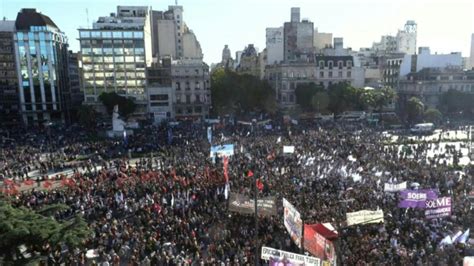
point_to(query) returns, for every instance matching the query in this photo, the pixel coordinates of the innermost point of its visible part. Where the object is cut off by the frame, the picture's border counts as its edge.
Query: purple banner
(437, 208)
(416, 198)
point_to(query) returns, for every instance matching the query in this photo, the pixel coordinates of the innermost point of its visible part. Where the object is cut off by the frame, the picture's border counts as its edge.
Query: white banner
(276, 254)
(395, 187)
(468, 261)
(364, 217)
(288, 149)
(292, 220)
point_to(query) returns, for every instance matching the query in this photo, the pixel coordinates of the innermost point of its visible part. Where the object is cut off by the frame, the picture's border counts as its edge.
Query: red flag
(28, 182)
(249, 173)
(259, 184)
(8, 182)
(47, 184)
(226, 165)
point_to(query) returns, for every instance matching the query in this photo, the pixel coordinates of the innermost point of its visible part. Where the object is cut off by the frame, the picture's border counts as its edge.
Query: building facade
(191, 84)
(298, 38)
(471, 65)
(323, 70)
(113, 57)
(249, 62)
(425, 59)
(41, 61)
(9, 100)
(76, 96)
(274, 45)
(161, 94)
(430, 83)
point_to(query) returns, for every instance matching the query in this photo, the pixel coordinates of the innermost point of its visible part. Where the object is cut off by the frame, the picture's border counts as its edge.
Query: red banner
(316, 244)
(226, 165)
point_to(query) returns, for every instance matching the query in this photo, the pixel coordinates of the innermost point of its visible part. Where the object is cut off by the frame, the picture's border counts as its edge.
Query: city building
(161, 94)
(274, 45)
(9, 98)
(249, 62)
(298, 37)
(322, 41)
(113, 57)
(42, 68)
(425, 59)
(406, 38)
(191, 83)
(429, 84)
(322, 70)
(471, 65)
(226, 62)
(74, 95)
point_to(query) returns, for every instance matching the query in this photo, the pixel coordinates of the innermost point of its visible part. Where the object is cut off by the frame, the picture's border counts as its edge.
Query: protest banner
(243, 204)
(437, 208)
(222, 150)
(316, 244)
(395, 187)
(416, 198)
(468, 261)
(364, 217)
(292, 221)
(288, 149)
(280, 255)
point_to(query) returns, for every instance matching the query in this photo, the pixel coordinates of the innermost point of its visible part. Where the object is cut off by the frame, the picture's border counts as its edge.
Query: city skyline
(443, 26)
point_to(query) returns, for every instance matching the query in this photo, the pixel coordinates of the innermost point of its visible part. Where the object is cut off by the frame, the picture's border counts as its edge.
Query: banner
(317, 244)
(288, 257)
(468, 261)
(440, 207)
(222, 150)
(288, 149)
(364, 217)
(243, 204)
(292, 220)
(226, 166)
(395, 187)
(416, 198)
(209, 134)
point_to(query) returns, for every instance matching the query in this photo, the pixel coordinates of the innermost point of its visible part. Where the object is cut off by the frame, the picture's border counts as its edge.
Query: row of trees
(341, 97)
(237, 94)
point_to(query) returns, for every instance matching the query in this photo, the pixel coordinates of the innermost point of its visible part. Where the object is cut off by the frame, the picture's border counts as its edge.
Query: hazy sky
(444, 25)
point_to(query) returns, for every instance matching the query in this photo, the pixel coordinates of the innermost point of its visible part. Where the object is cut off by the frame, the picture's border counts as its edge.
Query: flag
(259, 184)
(28, 182)
(209, 134)
(226, 165)
(279, 140)
(464, 237)
(455, 237)
(226, 191)
(47, 184)
(446, 241)
(249, 173)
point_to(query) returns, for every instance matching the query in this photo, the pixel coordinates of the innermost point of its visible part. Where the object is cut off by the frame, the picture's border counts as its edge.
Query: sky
(443, 25)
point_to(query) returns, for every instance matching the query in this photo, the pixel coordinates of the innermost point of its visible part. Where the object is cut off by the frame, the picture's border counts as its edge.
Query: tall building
(42, 69)
(406, 38)
(113, 56)
(298, 38)
(249, 62)
(161, 94)
(472, 52)
(322, 41)
(9, 100)
(274, 45)
(75, 95)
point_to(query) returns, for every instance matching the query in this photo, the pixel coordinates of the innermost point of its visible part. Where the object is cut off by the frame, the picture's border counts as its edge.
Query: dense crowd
(170, 207)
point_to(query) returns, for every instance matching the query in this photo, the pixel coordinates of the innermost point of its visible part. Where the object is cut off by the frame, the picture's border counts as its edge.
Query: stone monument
(118, 126)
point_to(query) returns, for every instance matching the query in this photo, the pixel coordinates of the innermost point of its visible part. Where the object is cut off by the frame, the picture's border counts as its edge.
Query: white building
(424, 59)
(274, 44)
(406, 38)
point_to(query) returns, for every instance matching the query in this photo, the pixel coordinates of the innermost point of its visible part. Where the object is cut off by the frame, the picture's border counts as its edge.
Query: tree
(432, 115)
(110, 99)
(414, 110)
(87, 116)
(376, 99)
(305, 93)
(35, 231)
(457, 102)
(344, 97)
(234, 93)
(320, 101)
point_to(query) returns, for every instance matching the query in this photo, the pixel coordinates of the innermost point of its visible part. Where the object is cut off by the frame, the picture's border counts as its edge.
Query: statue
(117, 123)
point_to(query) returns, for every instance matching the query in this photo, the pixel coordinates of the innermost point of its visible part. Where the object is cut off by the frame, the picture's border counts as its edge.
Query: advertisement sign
(437, 208)
(364, 217)
(292, 220)
(276, 255)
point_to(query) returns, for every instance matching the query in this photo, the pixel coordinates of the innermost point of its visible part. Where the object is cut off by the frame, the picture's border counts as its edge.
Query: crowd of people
(170, 207)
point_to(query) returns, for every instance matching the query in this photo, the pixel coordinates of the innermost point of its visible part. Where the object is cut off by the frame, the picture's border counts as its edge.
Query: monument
(118, 126)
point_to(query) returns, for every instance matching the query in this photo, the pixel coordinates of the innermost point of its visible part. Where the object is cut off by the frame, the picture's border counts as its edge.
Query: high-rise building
(472, 51)
(42, 69)
(113, 56)
(322, 40)
(75, 95)
(274, 44)
(406, 38)
(9, 100)
(298, 38)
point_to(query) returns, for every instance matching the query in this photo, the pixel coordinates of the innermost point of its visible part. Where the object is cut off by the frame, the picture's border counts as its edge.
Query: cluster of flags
(459, 237)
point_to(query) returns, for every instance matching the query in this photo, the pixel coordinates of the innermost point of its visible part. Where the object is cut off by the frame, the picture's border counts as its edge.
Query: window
(107, 34)
(187, 86)
(321, 74)
(321, 64)
(330, 74)
(330, 64)
(95, 34)
(159, 97)
(188, 99)
(197, 85)
(189, 110)
(339, 64)
(138, 35)
(128, 34)
(348, 74)
(159, 104)
(117, 35)
(349, 64)
(82, 34)
(339, 74)
(178, 86)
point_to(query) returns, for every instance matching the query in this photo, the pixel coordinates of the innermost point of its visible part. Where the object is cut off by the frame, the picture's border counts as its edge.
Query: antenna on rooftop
(87, 15)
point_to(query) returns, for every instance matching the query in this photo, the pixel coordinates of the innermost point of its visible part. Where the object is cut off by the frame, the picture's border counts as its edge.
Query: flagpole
(256, 220)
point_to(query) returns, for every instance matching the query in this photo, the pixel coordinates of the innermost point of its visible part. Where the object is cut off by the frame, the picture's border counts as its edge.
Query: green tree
(414, 110)
(320, 102)
(87, 116)
(432, 115)
(305, 93)
(22, 227)
(110, 99)
(344, 97)
(456, 102)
